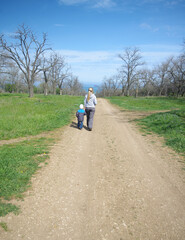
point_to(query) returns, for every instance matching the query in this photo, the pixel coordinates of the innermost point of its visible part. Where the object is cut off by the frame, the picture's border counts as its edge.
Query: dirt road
(108, 184)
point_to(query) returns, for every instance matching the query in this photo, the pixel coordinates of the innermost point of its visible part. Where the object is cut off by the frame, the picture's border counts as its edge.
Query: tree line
(27, 59)
(133, 78)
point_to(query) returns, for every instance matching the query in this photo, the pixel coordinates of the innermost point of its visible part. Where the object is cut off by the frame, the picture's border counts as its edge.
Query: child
(80, 115)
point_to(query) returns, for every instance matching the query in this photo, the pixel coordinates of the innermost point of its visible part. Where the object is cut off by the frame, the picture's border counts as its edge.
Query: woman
(90, 102)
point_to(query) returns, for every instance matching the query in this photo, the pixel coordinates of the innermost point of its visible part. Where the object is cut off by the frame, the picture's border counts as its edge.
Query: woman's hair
(90, 91)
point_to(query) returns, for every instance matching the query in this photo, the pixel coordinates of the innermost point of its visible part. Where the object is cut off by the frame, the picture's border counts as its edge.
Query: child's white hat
(81, 106)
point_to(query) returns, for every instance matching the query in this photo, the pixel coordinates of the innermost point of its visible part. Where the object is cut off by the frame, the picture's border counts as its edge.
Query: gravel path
(108, 184)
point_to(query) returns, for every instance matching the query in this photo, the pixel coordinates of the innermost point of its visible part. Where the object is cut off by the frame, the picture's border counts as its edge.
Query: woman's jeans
(90, 116)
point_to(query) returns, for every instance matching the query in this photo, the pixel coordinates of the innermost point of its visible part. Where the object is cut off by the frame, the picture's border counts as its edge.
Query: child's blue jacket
(80, 115)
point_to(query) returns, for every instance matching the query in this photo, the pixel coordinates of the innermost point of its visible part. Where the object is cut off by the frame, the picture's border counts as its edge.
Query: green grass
(170, 125)
(6, 208)
(18, 162)
(4, 226)
(22, 116)
(148, 103)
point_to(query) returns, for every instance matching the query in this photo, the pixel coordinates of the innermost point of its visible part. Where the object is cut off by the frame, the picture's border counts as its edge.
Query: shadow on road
(74, 125)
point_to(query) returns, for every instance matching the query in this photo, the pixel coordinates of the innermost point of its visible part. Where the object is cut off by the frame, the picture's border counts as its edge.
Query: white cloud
(104, 4)
(10, 34)
(91, 73)
(72, 2)
(93, 66)
(171, 3)
(155, 54)
(92, 3)
(108, 4)
(160, 48)
(88, 56)
(147, 26)
(159, 1)
(154, 58)
(162, 3)
(59, 25)
(151, 1)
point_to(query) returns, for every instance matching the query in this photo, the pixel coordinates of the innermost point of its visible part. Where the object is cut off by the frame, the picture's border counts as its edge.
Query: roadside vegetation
(21, 116)
(18, 162)
(169, 124)
(149, 103)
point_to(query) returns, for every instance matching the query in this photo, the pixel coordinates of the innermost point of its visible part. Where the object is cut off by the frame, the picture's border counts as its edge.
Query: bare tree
(177, 74)
(72, 86)
(147, 81)
(13, 74)
(107, 87)
(25, 51)
(64, 74)
(46, 67)
(2, 63)
(183, 49)
(123, 82)
(2, 72)
(110, 86)
(55, 74)
(131, 61)
(55, 71)
(162, 75)
(9, 74)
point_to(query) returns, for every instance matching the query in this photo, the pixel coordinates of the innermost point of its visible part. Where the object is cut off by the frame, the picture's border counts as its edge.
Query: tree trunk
(54, 88)
(128, 92)
(137, 88)
(136, 94)
(45, 89)
(123, 91)
(166, 91)
(45, 84)
(160, 91)
(61, 92)
(128, 85)
(30, 89)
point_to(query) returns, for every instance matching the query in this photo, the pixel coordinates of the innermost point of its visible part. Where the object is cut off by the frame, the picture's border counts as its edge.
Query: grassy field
(170, 124)
(22, 116)
(149, 103)
(18, 162)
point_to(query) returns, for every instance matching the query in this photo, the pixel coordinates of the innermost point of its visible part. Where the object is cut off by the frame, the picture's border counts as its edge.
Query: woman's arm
(95, 100)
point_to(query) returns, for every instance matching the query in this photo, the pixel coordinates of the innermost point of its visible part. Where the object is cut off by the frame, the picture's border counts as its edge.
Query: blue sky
(91, 33)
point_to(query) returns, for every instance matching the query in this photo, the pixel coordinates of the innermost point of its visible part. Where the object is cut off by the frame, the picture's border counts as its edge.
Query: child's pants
(80, 125)
(90, 116)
